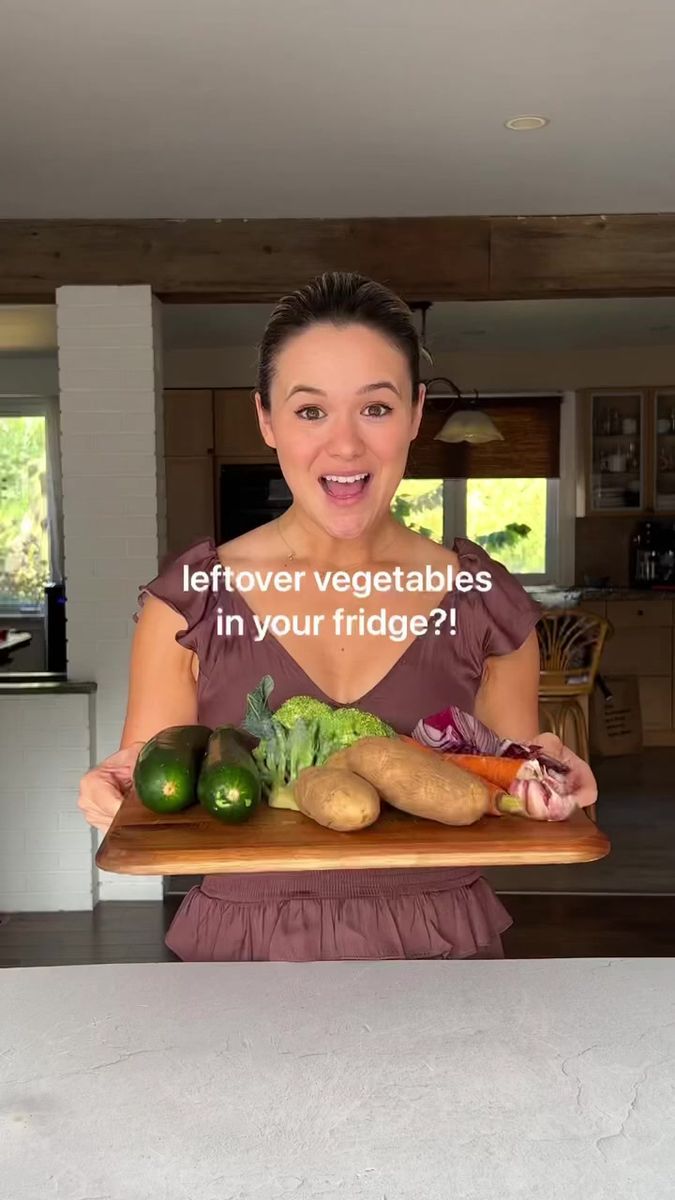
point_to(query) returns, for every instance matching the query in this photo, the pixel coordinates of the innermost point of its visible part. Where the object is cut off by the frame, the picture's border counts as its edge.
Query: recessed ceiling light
(520, 123)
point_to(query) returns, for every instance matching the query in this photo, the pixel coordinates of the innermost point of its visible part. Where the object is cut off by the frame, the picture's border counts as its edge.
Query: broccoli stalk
(286, 747)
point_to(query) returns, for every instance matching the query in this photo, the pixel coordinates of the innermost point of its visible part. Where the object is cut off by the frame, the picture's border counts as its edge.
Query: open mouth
(345, 487)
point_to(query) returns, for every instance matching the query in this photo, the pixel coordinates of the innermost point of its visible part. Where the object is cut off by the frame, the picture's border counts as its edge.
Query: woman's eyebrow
(368, 387)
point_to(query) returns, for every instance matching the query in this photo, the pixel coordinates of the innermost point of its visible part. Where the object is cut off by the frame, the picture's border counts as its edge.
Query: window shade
(531, 448)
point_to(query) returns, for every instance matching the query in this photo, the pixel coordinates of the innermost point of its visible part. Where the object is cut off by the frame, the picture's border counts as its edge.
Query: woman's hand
(581, 780)
(103, 789)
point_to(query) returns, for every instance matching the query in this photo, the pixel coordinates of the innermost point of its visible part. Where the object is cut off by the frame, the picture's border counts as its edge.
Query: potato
(336, 798)
(415, 782)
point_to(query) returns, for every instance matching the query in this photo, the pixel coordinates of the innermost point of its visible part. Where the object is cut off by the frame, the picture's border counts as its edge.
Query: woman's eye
(311, 412)
(383, 410)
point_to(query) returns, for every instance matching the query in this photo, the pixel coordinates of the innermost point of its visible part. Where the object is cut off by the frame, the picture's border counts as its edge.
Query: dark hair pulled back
(340, 298)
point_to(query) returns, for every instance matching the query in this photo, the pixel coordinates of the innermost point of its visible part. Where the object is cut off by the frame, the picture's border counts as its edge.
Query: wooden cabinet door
(656, 701)
(189, 501)
(237, 434)
(638, 651)
(188, 422)
(597, 607)
(650, 613)
(618, 475)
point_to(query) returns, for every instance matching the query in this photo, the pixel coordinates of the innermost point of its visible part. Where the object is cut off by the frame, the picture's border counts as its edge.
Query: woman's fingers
(581, 779)
(103, 788)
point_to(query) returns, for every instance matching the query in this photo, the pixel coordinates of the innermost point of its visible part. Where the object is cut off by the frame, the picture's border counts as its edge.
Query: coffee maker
(652, 556)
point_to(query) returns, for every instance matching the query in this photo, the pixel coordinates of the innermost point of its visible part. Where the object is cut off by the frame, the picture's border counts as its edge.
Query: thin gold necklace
(292, 553)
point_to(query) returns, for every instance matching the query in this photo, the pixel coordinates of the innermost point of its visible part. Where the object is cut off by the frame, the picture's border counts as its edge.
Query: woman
(339, 398)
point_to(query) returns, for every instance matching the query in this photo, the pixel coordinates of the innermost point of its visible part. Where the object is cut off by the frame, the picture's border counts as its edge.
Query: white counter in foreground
(363, 1081)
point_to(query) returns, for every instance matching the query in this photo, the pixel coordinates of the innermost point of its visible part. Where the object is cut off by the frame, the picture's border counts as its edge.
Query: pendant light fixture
(468, 422)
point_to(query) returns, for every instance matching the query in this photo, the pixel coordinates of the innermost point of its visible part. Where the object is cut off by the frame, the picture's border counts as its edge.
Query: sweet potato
(410, 779)
(337, 798)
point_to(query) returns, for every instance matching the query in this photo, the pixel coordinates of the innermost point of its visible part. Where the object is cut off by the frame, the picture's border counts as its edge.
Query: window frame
(47, 407)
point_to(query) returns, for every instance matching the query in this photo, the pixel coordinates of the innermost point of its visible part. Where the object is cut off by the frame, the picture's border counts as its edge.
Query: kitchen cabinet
(188, 466)
(663, 436)
(190, 495)
(204, 429)
(188, 423)
(628, 440)
(642, 645)
(237, 434)
(218, 421)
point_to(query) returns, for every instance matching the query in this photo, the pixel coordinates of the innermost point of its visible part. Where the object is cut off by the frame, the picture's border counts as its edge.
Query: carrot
(501, 772)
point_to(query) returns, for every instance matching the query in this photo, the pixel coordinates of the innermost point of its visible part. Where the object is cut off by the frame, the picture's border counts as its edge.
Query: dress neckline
(286, 654)
(462, 547)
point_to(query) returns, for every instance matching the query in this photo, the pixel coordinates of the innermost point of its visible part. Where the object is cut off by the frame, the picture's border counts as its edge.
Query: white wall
(46, 848)
(113, 507)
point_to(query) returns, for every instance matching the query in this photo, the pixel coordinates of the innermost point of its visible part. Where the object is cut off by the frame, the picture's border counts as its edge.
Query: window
(29, 540)
(516, 520)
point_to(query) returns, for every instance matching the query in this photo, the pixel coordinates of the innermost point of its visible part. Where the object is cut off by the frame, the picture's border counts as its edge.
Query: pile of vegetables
(337, 766)
(228, 769)
(539, 782)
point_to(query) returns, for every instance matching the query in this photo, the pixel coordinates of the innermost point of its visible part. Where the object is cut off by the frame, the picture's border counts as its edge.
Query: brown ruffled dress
(343, 915)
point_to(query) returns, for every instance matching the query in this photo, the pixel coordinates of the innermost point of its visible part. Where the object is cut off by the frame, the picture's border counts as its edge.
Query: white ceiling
(485, 327)
(256, 108)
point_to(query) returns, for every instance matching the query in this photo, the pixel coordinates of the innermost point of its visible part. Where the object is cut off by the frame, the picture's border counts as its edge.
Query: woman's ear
(264, 422)
(418, 410)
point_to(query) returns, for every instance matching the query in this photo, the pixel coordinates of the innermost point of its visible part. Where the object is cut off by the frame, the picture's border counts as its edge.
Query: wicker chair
(571, 642)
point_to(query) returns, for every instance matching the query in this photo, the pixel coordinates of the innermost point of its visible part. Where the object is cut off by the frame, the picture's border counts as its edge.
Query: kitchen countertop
(554, 596)
(41, 683)
(358, 1081)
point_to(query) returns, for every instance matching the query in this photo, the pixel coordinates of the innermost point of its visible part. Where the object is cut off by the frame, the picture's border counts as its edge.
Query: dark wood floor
(550, 926)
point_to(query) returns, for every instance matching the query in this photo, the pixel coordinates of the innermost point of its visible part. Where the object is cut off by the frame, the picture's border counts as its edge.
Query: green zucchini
(229, 784)
(167, 768)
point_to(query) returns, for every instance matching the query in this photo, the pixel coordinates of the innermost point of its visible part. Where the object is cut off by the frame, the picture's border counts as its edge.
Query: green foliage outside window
(24, 534)
(418, 503)
(508, 518)
(505, 516)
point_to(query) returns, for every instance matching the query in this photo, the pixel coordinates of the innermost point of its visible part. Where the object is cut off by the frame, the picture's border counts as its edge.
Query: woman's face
(341, 420)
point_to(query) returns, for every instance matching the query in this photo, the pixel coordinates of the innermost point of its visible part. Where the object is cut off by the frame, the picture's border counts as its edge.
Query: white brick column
(110, 380)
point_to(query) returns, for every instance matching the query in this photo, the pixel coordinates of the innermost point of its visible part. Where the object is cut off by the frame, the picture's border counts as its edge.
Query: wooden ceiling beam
(425, 258)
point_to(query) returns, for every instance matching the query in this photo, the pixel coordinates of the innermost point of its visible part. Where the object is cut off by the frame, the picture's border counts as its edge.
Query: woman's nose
(345, 439)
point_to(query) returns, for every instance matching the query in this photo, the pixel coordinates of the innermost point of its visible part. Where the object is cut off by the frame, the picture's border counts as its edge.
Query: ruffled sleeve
(501, 618)
(173, 585)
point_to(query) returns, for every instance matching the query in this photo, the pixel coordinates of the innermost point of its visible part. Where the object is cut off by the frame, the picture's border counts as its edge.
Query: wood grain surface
(421, 258)
(140, 842)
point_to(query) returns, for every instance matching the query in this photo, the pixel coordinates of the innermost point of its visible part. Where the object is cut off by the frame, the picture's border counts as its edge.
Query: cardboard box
(616, 720)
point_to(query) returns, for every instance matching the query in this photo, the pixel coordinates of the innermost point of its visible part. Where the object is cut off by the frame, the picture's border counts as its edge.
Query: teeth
(346, 478)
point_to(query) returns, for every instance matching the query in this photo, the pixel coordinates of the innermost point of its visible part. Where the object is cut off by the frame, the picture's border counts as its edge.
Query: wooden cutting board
(140, 842)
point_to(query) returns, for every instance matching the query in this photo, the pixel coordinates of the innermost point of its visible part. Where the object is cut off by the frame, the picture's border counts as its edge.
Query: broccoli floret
(301, 708)
(350, 724)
